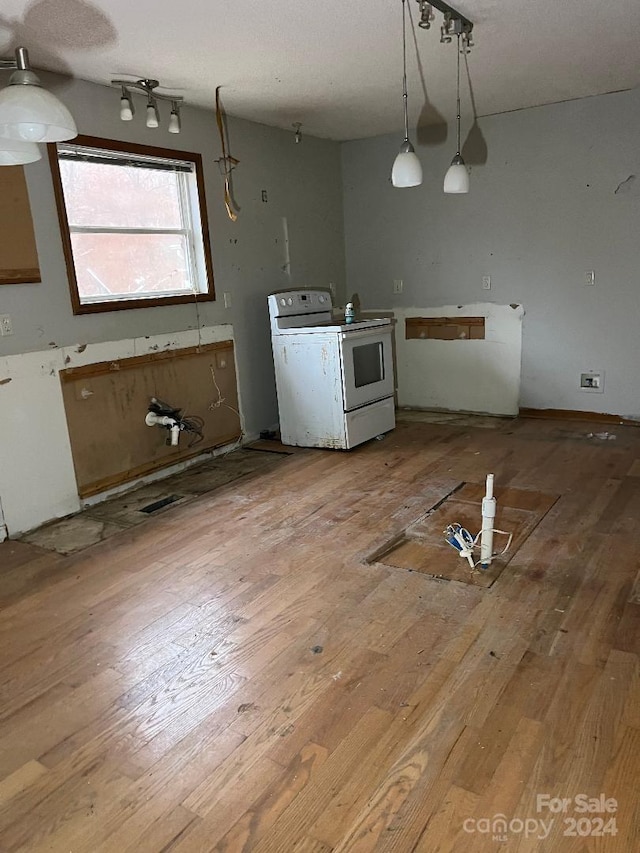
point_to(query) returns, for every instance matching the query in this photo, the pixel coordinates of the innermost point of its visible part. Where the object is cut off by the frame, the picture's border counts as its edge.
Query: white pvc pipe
(488, 523)
(151, 419)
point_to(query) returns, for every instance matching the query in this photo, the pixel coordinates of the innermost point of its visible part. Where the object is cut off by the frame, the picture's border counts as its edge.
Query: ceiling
(335, 66)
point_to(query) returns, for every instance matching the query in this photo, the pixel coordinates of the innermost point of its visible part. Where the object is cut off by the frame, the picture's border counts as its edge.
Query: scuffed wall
(289, 233)
(462, 375)
(37, 478)
(553, 196)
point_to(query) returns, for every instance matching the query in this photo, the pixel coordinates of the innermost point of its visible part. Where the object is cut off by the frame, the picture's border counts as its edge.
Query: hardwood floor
(232, 675)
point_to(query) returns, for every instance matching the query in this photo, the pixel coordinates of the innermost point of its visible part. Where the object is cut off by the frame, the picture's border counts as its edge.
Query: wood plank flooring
(232, 676)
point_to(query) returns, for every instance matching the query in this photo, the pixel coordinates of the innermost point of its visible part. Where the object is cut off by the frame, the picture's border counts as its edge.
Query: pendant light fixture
(28, 112)
(148, 87)
(456, 179)
(15, 152)
(407, 169)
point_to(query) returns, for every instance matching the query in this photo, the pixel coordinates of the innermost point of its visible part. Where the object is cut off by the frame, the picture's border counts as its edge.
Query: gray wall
(303, 184)
(542, 210)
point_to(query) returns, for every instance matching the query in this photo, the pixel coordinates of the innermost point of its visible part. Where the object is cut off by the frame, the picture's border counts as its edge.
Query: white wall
(469, 375)
(542, 210)
(303, 185)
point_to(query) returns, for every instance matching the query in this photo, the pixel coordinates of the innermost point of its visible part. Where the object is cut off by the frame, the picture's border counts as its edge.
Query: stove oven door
(367, 366)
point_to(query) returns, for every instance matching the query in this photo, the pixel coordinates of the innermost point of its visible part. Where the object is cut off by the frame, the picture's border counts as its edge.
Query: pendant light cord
(404, 69)
(458, 96)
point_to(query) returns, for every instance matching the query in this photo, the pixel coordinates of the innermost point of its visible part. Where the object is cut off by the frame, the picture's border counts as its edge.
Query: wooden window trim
(126, 304)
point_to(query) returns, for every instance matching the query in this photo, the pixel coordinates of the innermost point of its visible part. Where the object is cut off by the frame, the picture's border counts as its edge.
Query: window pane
(120, 196)
(130, 265)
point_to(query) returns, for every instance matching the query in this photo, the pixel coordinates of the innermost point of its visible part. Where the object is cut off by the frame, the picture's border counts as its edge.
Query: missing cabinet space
(445, 328)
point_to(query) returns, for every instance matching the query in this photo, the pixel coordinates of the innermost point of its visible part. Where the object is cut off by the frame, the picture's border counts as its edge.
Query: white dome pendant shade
(457, 178)
(407, 169)
(15, 152)
(30, 113)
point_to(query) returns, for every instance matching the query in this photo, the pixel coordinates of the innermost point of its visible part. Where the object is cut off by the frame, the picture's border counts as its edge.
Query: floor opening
(422, 546)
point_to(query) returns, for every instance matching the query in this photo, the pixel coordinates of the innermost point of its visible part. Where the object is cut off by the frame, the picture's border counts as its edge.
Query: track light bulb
(174, 121)
(126, 109)
(152, 115)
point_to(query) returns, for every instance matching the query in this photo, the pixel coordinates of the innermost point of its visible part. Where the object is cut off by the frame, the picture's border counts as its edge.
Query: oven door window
(368, 364)
(367, 367)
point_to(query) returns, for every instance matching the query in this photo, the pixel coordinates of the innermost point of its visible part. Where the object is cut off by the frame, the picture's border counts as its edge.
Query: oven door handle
(374, 332)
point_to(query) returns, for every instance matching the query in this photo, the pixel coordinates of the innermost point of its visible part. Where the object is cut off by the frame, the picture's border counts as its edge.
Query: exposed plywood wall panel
(106, 404)
(18, 254)
(445, 328)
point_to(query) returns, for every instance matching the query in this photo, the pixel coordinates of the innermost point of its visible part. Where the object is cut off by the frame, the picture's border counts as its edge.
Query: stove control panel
(296, 302)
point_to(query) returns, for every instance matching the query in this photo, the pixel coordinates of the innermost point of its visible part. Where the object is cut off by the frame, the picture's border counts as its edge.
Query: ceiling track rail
(455, 23)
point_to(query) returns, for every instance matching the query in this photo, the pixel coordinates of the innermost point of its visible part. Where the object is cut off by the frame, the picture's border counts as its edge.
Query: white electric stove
(334, 379)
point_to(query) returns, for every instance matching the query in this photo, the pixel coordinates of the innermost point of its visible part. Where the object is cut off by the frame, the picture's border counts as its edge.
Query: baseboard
(575, 415)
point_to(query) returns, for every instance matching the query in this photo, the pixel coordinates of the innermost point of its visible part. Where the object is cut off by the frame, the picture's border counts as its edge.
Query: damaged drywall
(625, 186)
(462, 375)
(3, 527)
(38, 481)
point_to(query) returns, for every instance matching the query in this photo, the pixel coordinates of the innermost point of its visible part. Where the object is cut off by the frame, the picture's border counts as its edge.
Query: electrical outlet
(486, 282)
(592, 381)
(6, 326)
(227, 299)
(332, 288)
(590, 277)
(398, 285)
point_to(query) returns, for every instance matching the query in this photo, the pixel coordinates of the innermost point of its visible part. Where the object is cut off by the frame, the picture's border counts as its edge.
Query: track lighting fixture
(29, 114)
(148, 88)
(457, 178)
(407, 169)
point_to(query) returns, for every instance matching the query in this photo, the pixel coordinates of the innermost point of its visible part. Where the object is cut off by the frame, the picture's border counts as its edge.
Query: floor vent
(156, 505)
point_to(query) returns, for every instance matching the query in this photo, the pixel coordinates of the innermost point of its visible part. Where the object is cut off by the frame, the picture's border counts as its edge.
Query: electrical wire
(221, 402)
(471, 542)
(193, 424)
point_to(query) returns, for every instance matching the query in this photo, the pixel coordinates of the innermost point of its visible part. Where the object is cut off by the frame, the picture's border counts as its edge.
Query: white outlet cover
(592, 381)
(486, 282)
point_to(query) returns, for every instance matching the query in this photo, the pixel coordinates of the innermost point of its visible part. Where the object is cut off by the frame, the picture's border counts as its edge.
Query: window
(134, 224)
